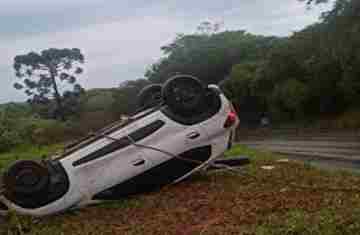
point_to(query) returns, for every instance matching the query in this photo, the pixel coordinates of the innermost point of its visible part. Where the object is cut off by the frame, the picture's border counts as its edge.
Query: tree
(290, 98)
(209, 55)
(49, 75)
(312, 73)
(241, 88)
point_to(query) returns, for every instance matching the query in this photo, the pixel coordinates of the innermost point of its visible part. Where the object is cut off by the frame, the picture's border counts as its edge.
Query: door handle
(138, 162)
(193, 135)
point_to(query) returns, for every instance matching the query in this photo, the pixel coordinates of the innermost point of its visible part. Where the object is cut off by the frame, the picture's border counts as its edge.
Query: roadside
(327, 154)
(267, 197)
(326, 148)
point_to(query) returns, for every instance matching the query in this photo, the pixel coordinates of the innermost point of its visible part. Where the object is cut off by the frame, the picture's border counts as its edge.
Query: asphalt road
(330, 153)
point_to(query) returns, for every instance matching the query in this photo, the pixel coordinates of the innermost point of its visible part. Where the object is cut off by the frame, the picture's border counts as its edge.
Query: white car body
(127, 170)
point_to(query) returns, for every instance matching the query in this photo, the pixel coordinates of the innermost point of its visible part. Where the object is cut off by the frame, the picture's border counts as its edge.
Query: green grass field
(291, 199)
(27, 152)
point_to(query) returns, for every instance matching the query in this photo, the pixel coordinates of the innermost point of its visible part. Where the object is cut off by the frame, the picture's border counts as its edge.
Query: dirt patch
(216, 203)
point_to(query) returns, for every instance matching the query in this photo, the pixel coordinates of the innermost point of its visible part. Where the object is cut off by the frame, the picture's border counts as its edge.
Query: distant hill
(19, 109)
(91, 94)
(14, 104)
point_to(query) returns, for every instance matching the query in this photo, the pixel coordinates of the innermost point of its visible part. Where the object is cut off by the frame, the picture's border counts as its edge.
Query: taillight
(231, 119)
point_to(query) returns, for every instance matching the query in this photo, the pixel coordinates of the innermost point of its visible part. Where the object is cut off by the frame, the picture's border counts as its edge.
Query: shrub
(46, 131)
(8, 139)
(350, 119)
(290, 98)
(34, 131)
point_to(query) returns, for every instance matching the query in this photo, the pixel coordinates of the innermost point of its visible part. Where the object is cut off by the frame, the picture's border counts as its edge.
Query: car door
(108, 162)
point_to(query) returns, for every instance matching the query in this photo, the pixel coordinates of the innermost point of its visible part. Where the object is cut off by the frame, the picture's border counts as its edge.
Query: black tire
(149, 96)
(27, 178)
(184, 95)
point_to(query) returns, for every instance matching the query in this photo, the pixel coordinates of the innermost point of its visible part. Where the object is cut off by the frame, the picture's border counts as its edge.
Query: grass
(291, 199)
(326, 221)
(27, 152)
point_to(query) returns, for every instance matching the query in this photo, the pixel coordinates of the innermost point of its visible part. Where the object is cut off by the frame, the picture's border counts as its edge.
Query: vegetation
(125, 96)
(20, 125)
(41, 75)
(310, 76)
(27, 152)
(291, 199)
(16, 131)
(313, 73)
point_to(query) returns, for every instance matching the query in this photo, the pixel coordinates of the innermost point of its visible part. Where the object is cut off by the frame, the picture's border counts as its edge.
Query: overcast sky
(120, 39)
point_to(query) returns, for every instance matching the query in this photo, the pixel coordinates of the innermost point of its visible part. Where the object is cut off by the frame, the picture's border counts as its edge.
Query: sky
(121, 39)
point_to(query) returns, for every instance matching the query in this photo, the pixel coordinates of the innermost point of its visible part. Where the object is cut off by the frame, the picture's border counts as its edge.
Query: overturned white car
(182, 128)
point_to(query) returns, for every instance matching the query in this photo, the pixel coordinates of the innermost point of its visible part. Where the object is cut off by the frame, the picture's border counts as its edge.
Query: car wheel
(184, 95)
(27, 178)
(150, 96)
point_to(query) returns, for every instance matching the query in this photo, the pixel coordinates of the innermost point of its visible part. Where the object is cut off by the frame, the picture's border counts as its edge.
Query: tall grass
(27, 152)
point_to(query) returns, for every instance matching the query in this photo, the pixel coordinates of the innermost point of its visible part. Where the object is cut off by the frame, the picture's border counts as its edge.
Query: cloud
(120, 39)
(114, 51)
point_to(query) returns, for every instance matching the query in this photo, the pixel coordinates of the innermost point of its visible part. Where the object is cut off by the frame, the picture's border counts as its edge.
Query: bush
(43, 132)
(350, 119)
(93, 121)
(34, 131)
(290, 98)
(8, 139)
(47, 131)
(18, 127)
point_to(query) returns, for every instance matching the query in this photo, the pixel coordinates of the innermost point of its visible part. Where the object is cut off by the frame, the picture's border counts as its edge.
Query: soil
(217, 202)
